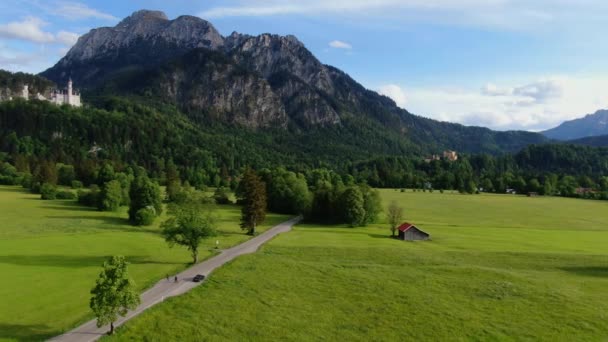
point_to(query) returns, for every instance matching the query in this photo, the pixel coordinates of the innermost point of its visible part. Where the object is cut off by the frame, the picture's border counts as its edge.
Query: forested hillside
(126, 134)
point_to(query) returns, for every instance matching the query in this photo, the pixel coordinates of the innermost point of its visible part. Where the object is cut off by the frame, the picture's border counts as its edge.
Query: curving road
(163, 289)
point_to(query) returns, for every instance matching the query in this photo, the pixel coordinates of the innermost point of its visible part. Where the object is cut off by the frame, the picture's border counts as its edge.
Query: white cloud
(28, 61)
(395, 92)
(77, 11)
(29, 29)
(493, 90)
(533, 105)
(541, 91)
(70, 10)
(503, 14)
(337, 44)
(67, 38)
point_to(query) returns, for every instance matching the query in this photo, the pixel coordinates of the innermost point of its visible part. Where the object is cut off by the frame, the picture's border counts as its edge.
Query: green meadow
(52, 251)
(498, 267)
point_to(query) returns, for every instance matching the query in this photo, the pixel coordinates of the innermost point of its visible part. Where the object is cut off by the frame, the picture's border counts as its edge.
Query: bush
(88, 198)
(145, 216)
(9, 180)
(110, 197)
(35, 187)
(441, 190)
(66, 195)
(76, 184)
(48, 191)
(26, 180)
(402, 190)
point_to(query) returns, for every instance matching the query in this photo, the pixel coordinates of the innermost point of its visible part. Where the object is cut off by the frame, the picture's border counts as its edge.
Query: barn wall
(415, 234)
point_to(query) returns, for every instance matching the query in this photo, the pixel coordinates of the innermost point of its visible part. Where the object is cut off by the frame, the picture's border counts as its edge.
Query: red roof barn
(410, 232)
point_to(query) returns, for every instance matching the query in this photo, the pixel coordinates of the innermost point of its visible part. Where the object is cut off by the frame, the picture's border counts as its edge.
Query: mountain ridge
(590, 125)
(263, 81)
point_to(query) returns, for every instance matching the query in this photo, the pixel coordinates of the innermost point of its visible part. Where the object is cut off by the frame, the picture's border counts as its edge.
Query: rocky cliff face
(217, 89)
(284, 81)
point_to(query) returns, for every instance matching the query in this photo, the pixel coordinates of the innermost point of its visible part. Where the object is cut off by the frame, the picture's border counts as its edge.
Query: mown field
(51, 253)
(497, 268)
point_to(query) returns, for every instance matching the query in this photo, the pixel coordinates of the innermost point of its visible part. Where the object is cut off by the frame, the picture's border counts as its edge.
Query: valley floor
(51, 253)
(497, 268)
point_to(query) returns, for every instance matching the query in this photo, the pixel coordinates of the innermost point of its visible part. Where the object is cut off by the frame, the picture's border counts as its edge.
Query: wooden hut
(410, 232)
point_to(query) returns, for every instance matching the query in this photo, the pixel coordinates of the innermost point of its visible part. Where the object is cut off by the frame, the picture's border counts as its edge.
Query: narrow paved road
(163, 289)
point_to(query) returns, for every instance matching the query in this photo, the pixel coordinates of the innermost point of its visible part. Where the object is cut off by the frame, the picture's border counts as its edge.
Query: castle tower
(25, 92)
(69, 95)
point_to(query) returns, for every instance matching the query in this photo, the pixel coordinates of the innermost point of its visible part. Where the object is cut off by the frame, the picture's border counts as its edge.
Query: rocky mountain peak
(143, 15)
(152, 27)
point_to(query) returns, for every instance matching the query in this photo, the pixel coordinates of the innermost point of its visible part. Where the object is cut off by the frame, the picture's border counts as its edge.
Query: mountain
(263, 82)
(591, 125)
(597, 141)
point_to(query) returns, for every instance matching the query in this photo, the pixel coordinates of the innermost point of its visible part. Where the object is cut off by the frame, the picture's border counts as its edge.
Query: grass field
(51, 253)
(497, 268)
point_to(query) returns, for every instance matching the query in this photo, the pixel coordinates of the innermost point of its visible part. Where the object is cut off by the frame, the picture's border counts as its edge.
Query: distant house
(450, 155)
(409, 232)
(584, 191)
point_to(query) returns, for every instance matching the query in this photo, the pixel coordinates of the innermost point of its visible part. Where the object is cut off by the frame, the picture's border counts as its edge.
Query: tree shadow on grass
(67, 205)
(75, 261)
(111, 220)
(589, 271)
(14, 189)
(17, 332)
(382, 236)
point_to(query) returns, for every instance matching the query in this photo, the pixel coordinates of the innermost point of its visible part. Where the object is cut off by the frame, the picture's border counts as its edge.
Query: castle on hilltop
(67, 95)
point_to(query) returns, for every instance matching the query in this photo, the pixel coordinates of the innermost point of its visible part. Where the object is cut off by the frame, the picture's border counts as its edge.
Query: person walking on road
(176, 279)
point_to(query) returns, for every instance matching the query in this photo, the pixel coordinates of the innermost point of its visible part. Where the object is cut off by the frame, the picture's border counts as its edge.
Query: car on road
(198, 278)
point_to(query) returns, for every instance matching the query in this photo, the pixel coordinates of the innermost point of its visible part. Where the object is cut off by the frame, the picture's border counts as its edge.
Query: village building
(450, 155)
(447, 155)
(410, 232)
(584, 191)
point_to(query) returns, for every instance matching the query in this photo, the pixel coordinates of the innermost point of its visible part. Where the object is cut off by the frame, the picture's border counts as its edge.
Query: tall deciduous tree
(144, 195)
(394, 216)
(253, 197)
(188, 226)
(353, 206)
(114, 293)
(110, 196)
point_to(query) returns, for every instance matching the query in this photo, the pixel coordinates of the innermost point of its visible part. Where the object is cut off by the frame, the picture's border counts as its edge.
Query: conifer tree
(253, 197)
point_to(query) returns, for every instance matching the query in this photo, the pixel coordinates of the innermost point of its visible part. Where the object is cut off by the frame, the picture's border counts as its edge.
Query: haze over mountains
(259, 82)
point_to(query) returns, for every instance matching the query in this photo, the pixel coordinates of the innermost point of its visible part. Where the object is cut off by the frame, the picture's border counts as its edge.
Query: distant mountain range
(264, 82)
(597, 141)
(590, 126)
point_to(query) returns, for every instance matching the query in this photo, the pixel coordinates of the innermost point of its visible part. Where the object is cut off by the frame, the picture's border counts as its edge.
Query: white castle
(58, 96)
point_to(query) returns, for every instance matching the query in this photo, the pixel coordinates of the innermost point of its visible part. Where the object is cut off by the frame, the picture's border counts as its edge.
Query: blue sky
(505, 64)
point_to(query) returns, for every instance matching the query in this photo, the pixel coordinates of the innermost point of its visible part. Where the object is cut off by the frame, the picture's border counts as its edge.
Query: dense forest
(127, 134)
